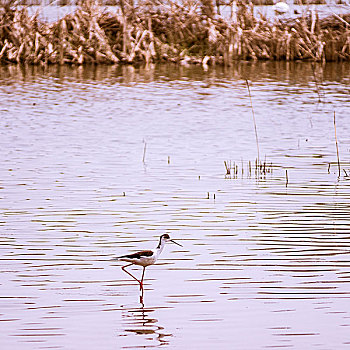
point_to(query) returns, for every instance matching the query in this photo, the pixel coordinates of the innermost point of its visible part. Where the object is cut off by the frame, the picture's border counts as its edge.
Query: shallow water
(265, 264)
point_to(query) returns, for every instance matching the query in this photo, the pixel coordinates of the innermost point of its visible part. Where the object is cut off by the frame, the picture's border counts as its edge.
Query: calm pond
(98, 162)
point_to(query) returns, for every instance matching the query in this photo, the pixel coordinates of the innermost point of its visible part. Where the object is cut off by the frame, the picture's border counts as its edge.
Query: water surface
(264, 265)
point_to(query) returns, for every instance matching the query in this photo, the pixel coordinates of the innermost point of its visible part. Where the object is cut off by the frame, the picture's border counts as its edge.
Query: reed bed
(152, 32)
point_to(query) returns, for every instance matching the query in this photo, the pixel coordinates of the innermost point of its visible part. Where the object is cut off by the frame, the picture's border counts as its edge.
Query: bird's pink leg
(140, 282)
(141, 285)
(123, 268)
(143, 273)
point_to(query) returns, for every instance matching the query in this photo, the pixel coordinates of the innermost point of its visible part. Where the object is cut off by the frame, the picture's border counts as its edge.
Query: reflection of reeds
(175, 32)
(318, 88)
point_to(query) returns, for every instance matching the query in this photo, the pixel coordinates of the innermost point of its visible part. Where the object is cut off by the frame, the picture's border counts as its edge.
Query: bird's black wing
(137, 255)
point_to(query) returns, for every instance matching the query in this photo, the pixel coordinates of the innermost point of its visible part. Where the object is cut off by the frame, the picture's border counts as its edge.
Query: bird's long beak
(175, 242)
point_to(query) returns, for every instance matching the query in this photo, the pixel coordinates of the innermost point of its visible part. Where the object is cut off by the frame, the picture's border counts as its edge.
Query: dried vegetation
(154, 32)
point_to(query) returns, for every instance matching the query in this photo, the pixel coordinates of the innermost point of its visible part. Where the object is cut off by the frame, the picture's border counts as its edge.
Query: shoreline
(174, 33)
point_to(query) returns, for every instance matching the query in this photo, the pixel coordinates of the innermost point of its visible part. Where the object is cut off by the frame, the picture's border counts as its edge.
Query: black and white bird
(145, 258)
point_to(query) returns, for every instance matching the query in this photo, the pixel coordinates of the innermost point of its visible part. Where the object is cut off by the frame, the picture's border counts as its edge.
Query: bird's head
(166, 238)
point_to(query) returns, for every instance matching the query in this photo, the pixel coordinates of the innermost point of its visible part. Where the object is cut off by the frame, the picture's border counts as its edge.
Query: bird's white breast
(147, 260)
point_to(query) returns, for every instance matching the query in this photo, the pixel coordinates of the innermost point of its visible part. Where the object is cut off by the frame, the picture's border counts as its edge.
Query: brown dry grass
(175, 33)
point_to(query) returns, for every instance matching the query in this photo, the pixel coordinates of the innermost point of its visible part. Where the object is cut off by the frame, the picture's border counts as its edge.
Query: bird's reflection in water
(140, 322)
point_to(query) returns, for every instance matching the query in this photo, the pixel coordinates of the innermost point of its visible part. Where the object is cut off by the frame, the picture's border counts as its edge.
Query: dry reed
(261, 169)
(253, 115)
(183, 33)
(144, 153)
(336, 144)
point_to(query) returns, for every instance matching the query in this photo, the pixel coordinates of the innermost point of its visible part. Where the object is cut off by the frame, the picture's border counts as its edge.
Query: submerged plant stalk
(256, 132)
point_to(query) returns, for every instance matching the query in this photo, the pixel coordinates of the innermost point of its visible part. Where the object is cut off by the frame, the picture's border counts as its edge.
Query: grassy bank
(188, 33)
(117, 2)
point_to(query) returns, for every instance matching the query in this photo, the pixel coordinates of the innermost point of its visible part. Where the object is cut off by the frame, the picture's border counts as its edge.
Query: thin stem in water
(336, 144)
(256, 132)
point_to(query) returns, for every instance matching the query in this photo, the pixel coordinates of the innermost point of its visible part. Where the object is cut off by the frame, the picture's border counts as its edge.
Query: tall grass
(151, 32)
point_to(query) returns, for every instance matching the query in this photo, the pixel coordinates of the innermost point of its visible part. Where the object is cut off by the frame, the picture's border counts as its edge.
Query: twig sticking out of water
(228, 167)
(256, 132)
(336, 144)
(144, 153)
(286, 177)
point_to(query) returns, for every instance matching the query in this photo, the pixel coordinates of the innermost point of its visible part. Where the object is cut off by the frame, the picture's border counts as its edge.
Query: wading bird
(145, 258)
